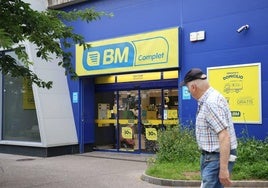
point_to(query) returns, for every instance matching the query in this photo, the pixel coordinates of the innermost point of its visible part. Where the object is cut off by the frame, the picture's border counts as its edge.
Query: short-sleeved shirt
(213, 116)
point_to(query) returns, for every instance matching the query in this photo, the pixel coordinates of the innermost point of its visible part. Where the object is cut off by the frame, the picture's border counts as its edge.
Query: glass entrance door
(105, 121)
(151, 118)
(140, 117)
(129, 120)
(128, 114)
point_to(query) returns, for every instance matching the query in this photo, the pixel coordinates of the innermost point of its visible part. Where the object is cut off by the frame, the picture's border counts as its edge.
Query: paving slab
(93, 169)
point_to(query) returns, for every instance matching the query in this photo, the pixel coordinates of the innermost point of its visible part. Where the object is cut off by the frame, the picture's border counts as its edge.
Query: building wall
(54, 110)
(56, 4)
(222, 45)
(53, 106)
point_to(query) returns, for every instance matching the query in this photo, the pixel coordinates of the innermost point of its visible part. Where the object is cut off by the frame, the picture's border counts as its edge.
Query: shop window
(170, 112)
(105, 111)
(19, 119)
(129, 120)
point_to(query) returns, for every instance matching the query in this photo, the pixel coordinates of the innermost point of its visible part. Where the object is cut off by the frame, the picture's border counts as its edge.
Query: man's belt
(204, 152)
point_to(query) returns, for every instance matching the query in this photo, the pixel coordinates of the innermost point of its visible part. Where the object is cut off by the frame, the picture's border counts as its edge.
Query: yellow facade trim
(138, 77)
(105, 80)
(131, 121)
(170, 74)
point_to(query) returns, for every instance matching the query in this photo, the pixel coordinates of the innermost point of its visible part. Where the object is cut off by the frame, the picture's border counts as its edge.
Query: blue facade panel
(130, 17)
(222, 45)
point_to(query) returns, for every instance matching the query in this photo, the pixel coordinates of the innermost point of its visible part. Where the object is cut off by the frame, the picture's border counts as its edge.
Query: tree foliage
(19, 23)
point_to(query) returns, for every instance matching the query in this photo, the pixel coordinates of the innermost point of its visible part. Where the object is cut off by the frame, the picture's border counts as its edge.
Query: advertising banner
(241, 86)
(28, 97)
(156, 50)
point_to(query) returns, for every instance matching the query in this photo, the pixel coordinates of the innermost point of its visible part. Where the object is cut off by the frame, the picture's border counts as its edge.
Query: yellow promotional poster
(126, 133)
(151, 133)
(156, 50)
(28, 98)
(240, 85)
(172, 114)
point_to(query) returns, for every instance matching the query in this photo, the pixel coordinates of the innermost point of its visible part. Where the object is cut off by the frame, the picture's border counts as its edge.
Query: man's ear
(193, 86)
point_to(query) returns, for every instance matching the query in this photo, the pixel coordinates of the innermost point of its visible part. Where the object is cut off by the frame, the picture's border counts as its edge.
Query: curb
(195, 183)
(168, 182)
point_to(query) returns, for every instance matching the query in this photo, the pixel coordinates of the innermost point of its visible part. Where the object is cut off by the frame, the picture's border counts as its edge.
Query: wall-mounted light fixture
(197, 36)
(242, 28)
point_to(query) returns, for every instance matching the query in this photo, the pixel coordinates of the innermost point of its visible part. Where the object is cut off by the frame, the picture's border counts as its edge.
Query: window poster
(103, 113)
(28, 97)
(241, 86)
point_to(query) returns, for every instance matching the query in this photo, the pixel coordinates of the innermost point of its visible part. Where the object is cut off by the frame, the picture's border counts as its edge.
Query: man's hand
(225, 178)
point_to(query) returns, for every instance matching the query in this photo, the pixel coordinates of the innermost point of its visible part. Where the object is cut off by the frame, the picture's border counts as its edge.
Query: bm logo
(109, 56)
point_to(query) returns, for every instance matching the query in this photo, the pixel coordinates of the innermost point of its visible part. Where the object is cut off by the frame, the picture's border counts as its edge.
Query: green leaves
(9, 65)
(44, 29)
(5, 40)
(88, 14)
(177, 144)
(252, 160)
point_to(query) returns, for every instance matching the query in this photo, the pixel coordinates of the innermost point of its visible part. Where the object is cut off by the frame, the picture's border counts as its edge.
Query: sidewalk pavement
(93, 169)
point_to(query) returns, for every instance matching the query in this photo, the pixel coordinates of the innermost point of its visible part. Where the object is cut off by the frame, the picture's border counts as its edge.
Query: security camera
(242, 28)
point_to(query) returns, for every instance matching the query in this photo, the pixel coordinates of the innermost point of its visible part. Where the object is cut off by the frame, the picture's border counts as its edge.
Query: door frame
(139, 86)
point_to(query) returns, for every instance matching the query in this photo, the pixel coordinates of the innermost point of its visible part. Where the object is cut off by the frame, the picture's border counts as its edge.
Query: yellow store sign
(147, 51)
(241, 86)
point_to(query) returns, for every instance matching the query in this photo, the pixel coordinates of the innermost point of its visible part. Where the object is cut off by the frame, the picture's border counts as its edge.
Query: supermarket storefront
(128, 80)
(134, 83)
(128, 115)
(142, 39)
